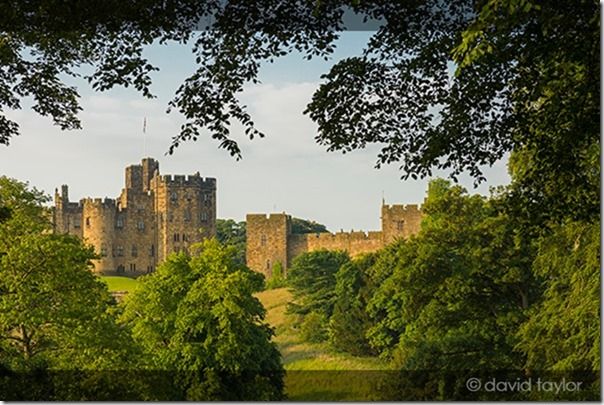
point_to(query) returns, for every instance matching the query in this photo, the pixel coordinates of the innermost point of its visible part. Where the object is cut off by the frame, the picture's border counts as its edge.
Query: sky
(284, 172)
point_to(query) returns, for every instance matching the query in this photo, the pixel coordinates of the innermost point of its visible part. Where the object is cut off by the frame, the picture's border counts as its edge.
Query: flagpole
(145, 137)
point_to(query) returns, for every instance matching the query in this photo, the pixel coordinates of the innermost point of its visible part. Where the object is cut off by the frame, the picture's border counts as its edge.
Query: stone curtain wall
(269, 238)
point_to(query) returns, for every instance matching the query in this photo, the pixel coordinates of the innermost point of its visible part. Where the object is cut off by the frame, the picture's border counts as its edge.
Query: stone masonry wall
(355, 243)
(186, 211)
(269, 239)
(400, 221)
(153, 217)
(98, 230)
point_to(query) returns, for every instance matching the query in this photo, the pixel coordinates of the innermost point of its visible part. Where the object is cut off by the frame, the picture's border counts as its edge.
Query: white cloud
(286, 171)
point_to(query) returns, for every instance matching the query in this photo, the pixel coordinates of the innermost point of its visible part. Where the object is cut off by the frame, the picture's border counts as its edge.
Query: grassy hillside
(315, 371)
(116, 283)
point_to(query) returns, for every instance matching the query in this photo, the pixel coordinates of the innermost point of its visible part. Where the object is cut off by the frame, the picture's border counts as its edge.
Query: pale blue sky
(286, 171)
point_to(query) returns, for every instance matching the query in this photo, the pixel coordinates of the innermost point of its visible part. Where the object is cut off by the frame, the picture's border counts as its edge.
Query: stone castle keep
(271, 241)
(154, 216)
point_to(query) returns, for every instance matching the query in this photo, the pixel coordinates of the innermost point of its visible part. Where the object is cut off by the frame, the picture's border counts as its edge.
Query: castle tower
(185, 211)
(67, 216)
(134, 177)
(267, 241)
(150, 169)
(400, 221)
(98, 229)
(59, 217)
(153, 216)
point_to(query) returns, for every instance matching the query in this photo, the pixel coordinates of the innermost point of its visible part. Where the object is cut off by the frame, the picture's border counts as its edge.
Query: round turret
(98, 217)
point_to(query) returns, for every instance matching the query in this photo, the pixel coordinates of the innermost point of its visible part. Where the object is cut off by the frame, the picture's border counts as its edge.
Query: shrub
(277, 279)
(314, 328)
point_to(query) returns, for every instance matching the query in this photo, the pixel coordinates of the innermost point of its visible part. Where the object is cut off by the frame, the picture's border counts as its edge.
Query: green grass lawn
(314, 371)
(117, 283)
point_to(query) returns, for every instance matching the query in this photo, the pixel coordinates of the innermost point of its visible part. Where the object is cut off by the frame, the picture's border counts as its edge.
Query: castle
(270, 239)
(154, 216)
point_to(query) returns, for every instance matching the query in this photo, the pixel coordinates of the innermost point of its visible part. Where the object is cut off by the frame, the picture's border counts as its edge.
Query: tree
(385, 303)
(457, 296)
(562, 333)
(305, 226)
(55, 314)
(230, 232)
(312, 278)
(523, 82)
(553, 65)
(350, 321)
(524, 77)
(203, 330)
(277, 278)
(313, 327)
(43, 43)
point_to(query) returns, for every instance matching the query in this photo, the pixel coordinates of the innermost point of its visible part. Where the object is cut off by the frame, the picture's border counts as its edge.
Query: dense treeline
(192, 330)
(470, 294)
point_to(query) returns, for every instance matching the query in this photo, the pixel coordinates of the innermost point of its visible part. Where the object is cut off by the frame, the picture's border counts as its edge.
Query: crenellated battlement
(99, 202)
(345, 236)
(269, 237)
(72, 206)
(267, 217)
(192, 180)
(154, 216)
(402, 207)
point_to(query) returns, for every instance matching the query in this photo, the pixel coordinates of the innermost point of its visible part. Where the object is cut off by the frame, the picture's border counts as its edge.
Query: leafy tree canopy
(563, 332)
(230, 232)
(277, 277)
(350, 321)
(458, 291)
(198, 322)
(449, 85)
(55, 314)
(312, 277)
(306, 226)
